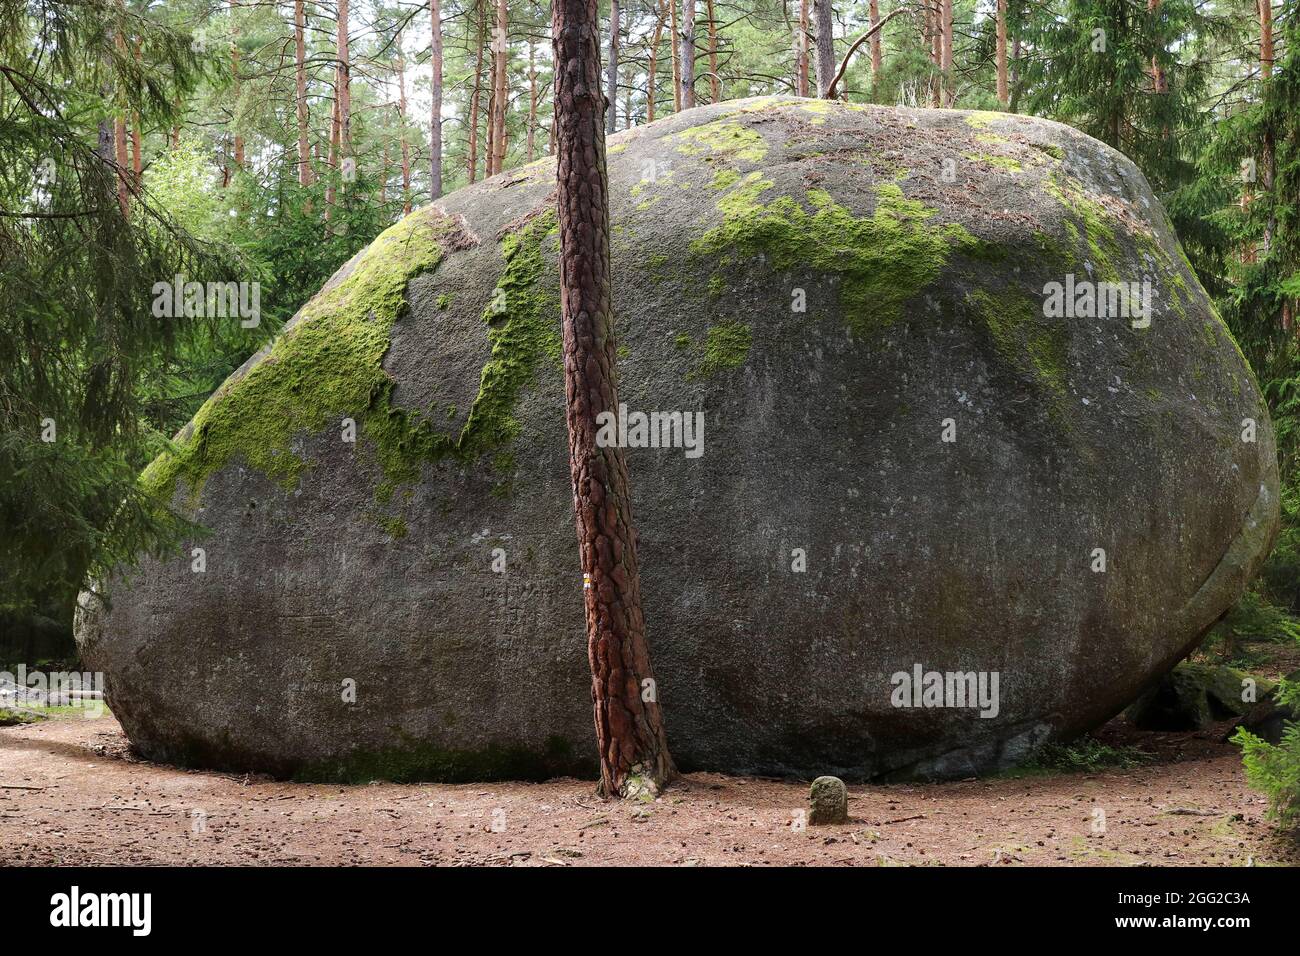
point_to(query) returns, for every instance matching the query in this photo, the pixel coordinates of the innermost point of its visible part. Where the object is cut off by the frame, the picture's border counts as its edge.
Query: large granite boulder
(916, 461)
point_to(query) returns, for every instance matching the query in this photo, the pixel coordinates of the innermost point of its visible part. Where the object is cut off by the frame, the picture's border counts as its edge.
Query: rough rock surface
(828, 802)
(828, 537)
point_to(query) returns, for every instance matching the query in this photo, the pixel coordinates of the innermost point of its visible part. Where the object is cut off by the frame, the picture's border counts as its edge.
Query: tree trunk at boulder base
(825, 47)
(634, 756)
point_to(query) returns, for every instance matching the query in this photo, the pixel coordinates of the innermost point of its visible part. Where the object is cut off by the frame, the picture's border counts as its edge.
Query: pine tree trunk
(652, 65)
(877, 57)
(532, 100)
(490, 144)
(472, 159)
(934, 15)
(123, 164)
(333, 160)
(675, 47)
(949, 96)
(715, 85)
(688, 54)
(501, 93)
(801, 68)
(633, 750)
(1157, 71)
(825, 46)
(1265, 38)
(435, 113)
(1004, 96)
(401, 118)
(345, 84)
(1015, 75)
(1269, 146)
(234, 69)
(300, 82)
(611, 71)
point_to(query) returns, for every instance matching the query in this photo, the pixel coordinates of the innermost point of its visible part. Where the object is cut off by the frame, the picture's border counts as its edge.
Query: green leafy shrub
(1274, 769)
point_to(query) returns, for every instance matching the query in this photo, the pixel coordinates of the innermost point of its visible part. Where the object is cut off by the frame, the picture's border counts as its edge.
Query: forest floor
(71, 792)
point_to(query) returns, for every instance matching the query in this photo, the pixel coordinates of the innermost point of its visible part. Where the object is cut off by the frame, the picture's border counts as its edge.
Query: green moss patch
(724, 138)
(726, 345)
(329, 365)
(998, 162)
(1098, 230)
(1023, 339)
(883, 259)
(326, 366)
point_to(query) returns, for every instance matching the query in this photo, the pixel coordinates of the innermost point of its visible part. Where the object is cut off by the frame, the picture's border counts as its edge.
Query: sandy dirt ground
(71, 792)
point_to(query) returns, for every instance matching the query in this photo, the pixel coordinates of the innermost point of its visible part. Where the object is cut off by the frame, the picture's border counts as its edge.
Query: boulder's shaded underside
(826, 539)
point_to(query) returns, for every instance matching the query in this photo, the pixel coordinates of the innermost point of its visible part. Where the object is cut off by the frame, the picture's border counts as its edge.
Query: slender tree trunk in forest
(501, 90)
(949, 94)
(472, 161)
(1015, 75)
(137, 159)
(1004, 96)
(825, 46)
(401, 125)
(234, 70)
(123, 164)
(801, 51)
(611, 71)
(1265, 38)
(300, 96)
(934, 14)
(1157, 71)
(715, 83)
(688, 54)
(333, 160)
(877, 58)
(627, 95)
(1269, 146)
(652, 65)
(345, 85)
(137, 156)
(532, 101)
(634, 758)
(675, 46)
(490, 143)
(435, 113)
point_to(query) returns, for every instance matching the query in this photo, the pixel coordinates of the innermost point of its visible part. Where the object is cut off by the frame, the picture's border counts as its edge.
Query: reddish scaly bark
(877, 58)
(629, 728)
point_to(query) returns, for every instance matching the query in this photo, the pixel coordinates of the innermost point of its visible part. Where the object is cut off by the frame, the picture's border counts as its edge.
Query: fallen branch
(917, 816)
(844, 64)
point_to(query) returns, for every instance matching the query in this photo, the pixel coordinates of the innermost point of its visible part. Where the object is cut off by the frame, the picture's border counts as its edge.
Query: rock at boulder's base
(905, 451)
(1193, 696)
(828, 802)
